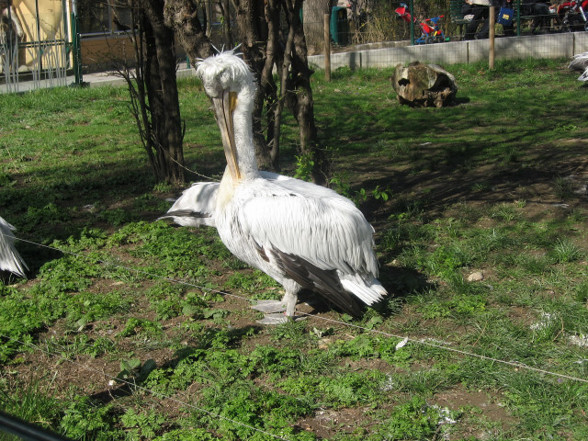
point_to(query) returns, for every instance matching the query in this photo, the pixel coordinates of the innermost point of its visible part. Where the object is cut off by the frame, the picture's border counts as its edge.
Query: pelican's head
(230, 85)
(225, 72)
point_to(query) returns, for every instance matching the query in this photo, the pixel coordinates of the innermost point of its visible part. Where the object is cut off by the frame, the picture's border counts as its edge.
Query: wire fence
(446, 32)
(431, 22)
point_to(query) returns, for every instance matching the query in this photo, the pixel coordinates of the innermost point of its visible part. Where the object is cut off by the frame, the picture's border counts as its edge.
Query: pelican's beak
(224, 107)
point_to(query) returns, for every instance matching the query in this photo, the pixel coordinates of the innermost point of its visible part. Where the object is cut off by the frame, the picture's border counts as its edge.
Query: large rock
(424, 85)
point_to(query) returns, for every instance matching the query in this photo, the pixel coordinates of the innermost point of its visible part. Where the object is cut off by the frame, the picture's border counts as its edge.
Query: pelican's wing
(584, 76)
(579, 62)
(318, 223)
(315, 235)
(300, 186)
(581, 55)
(195, 207)
(10, 260)
(309, 276)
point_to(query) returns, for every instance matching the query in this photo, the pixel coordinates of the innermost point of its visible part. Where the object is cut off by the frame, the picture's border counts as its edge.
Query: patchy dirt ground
(445, 192)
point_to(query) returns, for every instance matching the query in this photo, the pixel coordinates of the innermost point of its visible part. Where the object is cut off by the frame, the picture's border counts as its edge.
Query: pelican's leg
(290, 299)
(287, 305)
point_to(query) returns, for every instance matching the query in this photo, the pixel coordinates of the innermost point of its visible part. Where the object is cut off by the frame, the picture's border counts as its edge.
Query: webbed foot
(278, 319)
(270, 306)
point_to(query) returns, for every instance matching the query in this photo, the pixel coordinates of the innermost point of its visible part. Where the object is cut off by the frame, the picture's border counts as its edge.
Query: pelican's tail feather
(10, 260)
(369, 290)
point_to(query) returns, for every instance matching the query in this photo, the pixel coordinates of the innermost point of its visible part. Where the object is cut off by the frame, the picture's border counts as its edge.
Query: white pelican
(580, 64)
(303, 235)
(10, 260)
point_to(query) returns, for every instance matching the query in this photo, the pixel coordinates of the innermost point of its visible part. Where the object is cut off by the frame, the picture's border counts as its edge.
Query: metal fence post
(518, 17)
(77, 50)
(327, 39)
(411, 7)
(491, 37)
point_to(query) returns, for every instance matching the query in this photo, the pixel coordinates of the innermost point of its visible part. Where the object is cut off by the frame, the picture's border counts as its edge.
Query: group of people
(479, 25)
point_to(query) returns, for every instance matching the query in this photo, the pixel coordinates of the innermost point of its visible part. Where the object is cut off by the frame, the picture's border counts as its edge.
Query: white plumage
(580, 63)
(10, 260)
(303, 235)
(195, 207)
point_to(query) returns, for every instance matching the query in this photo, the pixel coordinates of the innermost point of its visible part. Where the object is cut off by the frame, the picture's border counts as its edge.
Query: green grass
(103, 341)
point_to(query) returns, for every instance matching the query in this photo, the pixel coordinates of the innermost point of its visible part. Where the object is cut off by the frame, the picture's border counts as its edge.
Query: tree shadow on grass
(72, 200)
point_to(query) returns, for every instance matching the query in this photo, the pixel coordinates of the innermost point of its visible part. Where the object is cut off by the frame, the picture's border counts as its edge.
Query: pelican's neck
(245, 153)
(243, 128)
(226, 190)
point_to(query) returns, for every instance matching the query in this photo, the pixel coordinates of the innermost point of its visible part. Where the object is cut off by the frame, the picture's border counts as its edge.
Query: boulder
(424, 85)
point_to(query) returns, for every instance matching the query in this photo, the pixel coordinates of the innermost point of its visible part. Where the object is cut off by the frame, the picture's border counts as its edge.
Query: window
(103, 16)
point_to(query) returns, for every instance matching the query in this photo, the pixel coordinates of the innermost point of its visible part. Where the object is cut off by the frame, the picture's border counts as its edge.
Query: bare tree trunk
(182, 16)
(274, 56)
(300, 100)
(208, 17)
(153, 90)
(251, 19)
(226, 24)
(164, 90)
(313, 13)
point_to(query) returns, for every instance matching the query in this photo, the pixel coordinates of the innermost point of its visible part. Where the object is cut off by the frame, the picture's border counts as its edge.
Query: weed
(137, 327)
(377, 193)
(563, 188)
(116, 217)
(134, 372)
(411, 420)
(505, 212)
(581, 292)
(31, 401)
(340, 183)
(481, 187)
(86, 307)
(292, 331)
(304, 166)
(142, 425)
(352, 388)
(566, 251)
(84, 419)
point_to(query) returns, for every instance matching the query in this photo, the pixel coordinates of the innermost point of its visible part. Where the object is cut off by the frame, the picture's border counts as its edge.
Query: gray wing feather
(195, 207)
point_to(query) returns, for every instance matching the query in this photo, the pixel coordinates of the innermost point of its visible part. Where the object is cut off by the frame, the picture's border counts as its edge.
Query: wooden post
(491, 36)
(327, 36)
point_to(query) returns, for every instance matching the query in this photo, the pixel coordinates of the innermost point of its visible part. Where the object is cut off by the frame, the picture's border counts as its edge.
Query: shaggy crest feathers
(227, 71)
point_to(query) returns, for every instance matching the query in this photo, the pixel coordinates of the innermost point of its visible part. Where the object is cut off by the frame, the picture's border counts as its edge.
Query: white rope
(144, 389)
(515, 364)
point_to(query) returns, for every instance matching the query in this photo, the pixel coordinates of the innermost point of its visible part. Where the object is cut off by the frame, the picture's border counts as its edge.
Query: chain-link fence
(383, 33)
(437, 21)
